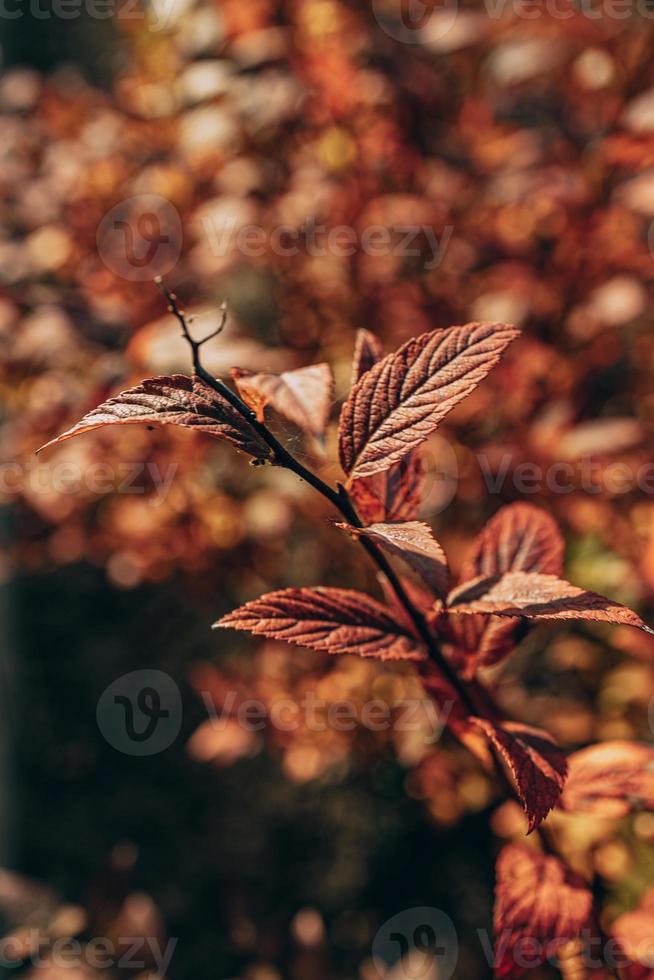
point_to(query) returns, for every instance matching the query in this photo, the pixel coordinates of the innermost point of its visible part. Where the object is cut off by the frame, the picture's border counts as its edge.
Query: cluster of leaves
(396, 402)
(271, 112)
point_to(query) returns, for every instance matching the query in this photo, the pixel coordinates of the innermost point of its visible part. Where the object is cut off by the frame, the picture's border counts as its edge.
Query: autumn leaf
(540, 905)
(174, 400)
(415, 544)
(394, 495)
(520, 538)
(538, 597)
(402, 398)
(535, 761)
(367, 351)
(303, 396)
(479, 641)
(610, 779)
(334, 620)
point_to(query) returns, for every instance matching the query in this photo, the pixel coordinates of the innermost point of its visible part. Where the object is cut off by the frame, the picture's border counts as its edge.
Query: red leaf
(402, 398)
(304, 396)
(335, 620)
(479, 641)
(393, 495)
(540, 905)
(535, 761)
(415, 544)
(610, 779)
(539, 597)
(520, 538)
(175, 400)
(367, 351)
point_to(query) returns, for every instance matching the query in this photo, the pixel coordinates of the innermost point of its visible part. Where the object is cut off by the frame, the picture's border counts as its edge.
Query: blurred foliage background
(526, 145)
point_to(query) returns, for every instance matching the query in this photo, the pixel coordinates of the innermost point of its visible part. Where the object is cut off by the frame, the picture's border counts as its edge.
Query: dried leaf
(394, 495)
(534, 759)
(402, 398)
(175, 400)
(537, 898)
(610, 779)
(304, 396)
(520, 538)
(367, 351)
(538, 597)
(415, 544)
(334, 620)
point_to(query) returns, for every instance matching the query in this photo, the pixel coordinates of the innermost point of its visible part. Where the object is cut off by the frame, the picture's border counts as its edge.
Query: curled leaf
(540, 905)
(535, 761)
(303, 396)
(538, 597)
(174, 400)
(334, 620)
(415, 544)
(402, 398)
(610, 779)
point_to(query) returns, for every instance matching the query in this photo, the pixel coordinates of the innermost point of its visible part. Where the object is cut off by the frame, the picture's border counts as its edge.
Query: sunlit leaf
(540, 905)
(538, 597)
(334, 620)
(175, 400)
(520, 538)
(402, 398)
(535, 761)
(415, 544)
(304, 396)
(610, 779)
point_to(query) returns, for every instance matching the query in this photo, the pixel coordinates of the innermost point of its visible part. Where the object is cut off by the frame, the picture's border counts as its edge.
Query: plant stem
(338, 498)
